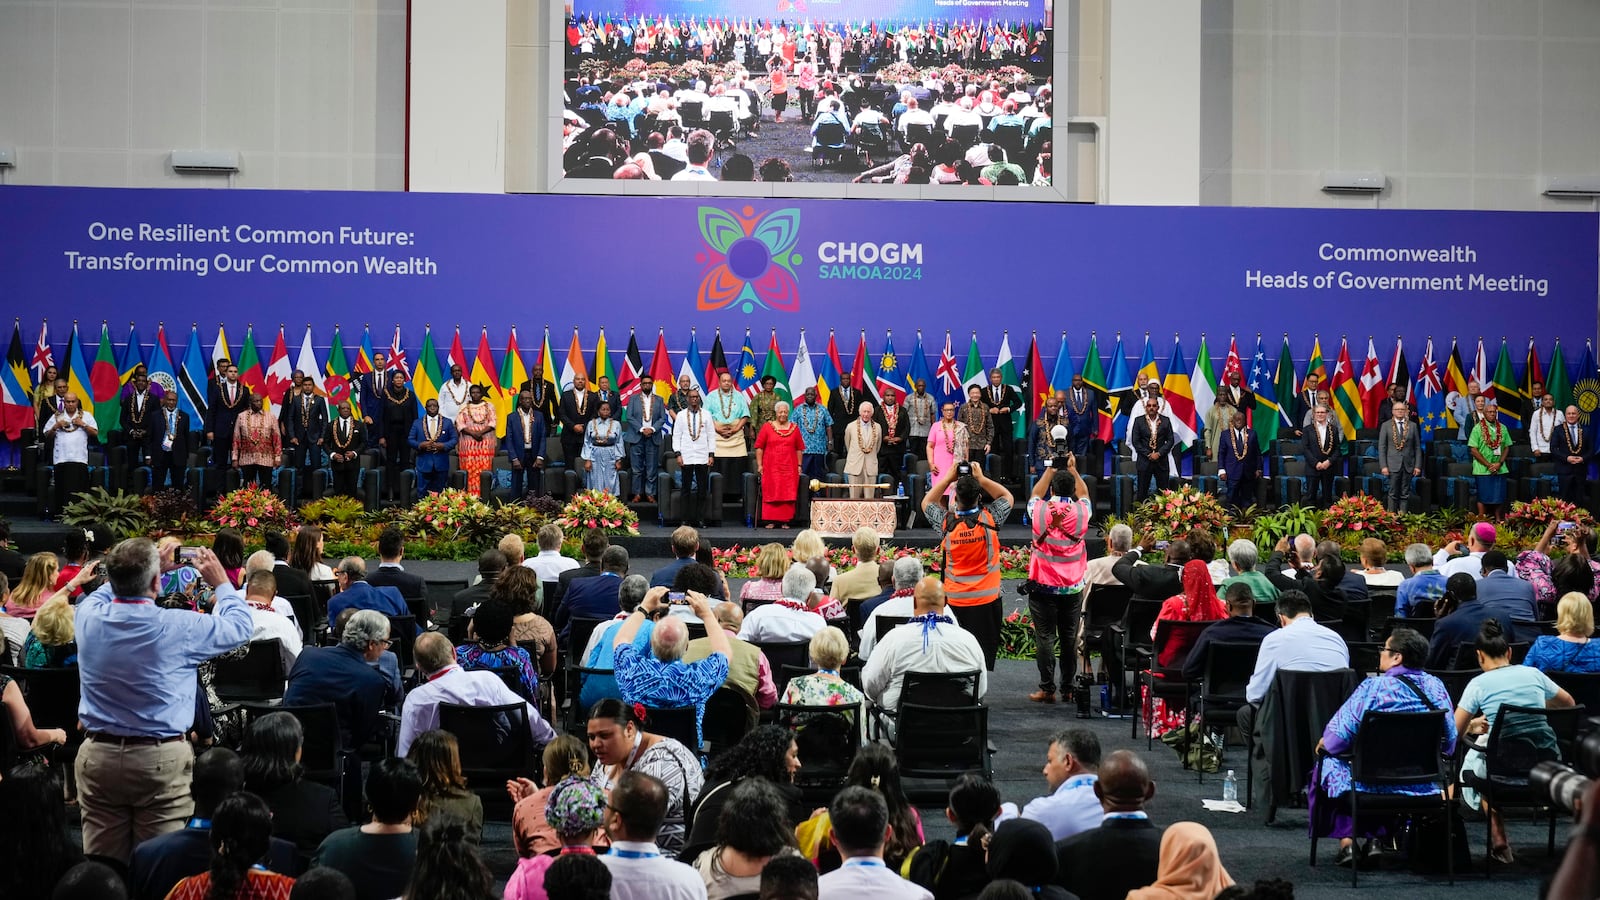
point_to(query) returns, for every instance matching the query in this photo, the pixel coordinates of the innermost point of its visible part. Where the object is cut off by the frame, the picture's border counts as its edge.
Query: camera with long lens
(1063, 453)
(1563, 783)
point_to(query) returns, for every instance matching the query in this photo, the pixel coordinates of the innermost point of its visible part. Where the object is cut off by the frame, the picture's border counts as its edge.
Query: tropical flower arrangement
(1017, 638)
(446, 512)
(1360, 516)
(598, 509)
(1176, 513)
(1529, 518)
(251, 509)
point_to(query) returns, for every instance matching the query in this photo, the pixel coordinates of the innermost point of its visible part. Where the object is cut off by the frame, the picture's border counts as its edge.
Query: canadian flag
(279, 373)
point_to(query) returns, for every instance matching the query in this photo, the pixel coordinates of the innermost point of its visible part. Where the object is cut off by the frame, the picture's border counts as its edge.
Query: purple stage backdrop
(390, 258)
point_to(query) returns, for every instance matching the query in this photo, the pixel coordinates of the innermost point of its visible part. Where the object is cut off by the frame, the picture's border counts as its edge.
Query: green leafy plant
(1287, 522)
(123, 513)
(1017, 637)
(171, 510)
(343, 510)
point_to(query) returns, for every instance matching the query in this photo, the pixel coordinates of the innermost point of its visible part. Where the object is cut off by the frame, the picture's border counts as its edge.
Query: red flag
(279, 373)
(661, 368)
(1233, 366)
(458, 354)
(1532, 372)
(716, 363)
(632, 368)
(858, 367)
(1038, 379)
(1373, 387)
(397, 355)
(1400, 373)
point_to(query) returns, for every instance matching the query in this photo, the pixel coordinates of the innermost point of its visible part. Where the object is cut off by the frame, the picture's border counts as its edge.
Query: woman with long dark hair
(444, 788)
(306, 553)
(35, 848)
(448, 866)
(874, 768)
(228, 545)
(303, 812)
(752, 828)
(769, 752)
(241, 832)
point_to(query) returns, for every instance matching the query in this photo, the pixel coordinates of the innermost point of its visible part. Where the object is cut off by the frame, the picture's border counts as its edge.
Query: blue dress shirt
(360, 595)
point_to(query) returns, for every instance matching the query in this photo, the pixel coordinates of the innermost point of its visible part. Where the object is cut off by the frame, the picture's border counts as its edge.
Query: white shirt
(864, 877)
(1541, 426)
(1472, 564)
(549, 564)
(452, 394)
(894, 606)
(455, 685)
(774, 623)
(696, 449)
(1071, 808)
(1302, 646)
(949, 650)
(651, 877)
(692, 172)
(71, 445)
(269, 625)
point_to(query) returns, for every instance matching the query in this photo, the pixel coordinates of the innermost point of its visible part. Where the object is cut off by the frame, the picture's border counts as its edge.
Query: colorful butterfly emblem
(749, 260)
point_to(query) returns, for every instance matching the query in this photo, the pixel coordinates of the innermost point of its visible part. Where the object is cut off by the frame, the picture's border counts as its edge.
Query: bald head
(928, 596)
(1304, 547)
(1124, 784)
(669, 638)
(729, 616)
(433, 652)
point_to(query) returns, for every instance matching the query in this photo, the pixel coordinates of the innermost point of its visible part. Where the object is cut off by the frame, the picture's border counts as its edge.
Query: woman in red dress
(778, 449)
(1197, 603)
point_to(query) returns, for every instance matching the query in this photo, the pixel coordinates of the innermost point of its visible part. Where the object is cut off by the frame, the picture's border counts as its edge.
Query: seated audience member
(828, 608)
(794, 617)
(1021, 850)
(291, 581)
(1241, 626)
(1504, 592)
(951, 869)
(593, 546)
(860, 830)
(38, 584)
(306, 554)
(1189, 865)
(1320, 580)
(563, 758)
(490, 564)
(162, 862)
(769, 753)
(448, 864)
(1243, 557)
(444, 681)
(1299, 644)
(661, 679)
(355, 593)
(1071, 760)
(518, 587)
(437, 757)
(513, 547)
(1572, 648)
(1460, 626)
(303, 812)
(90, 880)
(640, 868)
(749, 673)
(621, 745)
(347, 676)
(392, 573)
(1466, 558)
(771, 561)
(789, 878)
(1153, 581)
(1402, 687)
(1118, 542)
(753, 827)
(595, 597)
(707, 557)
(901, 603)
(378, 857)
(550, 562)
(1197, 602)
(1351, 581)
(1374, 568)
(241, 832)
(35, 848)
(323, 883)
(267, 624)
(825, 687)
(885, 590)
(50, 643)
(930, 642)
(1501, 684)
(492, 649)
(579, 878)
(1124, 834)
(876, 769)
(1416, 596)
(684, 542)
(573, 813)
(861, 581)
(13, 631)
(601, 652)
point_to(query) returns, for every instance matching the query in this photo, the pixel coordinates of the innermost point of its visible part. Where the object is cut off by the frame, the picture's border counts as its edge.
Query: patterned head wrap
(576, 806)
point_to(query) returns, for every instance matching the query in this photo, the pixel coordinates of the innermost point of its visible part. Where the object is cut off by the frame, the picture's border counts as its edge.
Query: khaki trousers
(131, 793)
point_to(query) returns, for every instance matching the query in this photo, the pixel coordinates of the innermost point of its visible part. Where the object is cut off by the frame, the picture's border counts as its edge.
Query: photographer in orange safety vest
(971, 550)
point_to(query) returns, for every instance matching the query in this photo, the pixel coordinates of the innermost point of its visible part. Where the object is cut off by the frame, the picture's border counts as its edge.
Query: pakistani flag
(972, 374)
(1008, 376)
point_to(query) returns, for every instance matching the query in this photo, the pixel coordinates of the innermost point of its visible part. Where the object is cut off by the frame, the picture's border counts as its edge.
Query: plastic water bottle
(1230, 788)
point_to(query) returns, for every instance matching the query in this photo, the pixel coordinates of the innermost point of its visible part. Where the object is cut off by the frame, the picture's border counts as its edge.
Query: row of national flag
(99, 378)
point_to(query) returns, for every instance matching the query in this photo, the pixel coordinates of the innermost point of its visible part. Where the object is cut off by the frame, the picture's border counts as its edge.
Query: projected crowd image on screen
(952, 92)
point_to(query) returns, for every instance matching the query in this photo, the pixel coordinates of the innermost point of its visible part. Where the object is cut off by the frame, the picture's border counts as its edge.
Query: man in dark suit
(432, 437)
(1397, 394)
(370, 387)
(161, 862)
(1322, 455)
(1304, 402)
(1126, 836)
(1150, 435)
(545, 398)
(525, 445)
(397, 414)
(348, 675)
(228, 399)
(843, 405)
(641, 434)
(1504, 592)
(597, 597)
(1082, 406)
(345, 438)
(1239, 396)
(603, 393)
(1240, 627)
(490, 564)
(390, 573)
(1461, 626)
(291, 581)
(1153, 582)
(684, 541)
(1238, 462)
(167, 444)
(305, 426)
(593, 544)
(578, 409)
(137, 419)
(356, 593)
(1003, 403)
(1571, 453)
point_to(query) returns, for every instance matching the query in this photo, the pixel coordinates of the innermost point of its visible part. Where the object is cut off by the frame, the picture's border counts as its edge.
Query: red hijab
(1200, 598)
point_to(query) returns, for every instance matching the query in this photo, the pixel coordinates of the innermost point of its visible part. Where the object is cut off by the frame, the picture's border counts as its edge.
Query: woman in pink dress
(947, 445)
(778, 449)
(475, 446)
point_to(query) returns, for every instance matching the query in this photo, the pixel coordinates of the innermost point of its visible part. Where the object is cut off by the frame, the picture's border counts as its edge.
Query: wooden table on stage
(840, 517)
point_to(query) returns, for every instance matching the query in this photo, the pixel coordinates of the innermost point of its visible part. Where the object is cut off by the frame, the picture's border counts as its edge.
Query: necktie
(1572, 436)
(172, 422)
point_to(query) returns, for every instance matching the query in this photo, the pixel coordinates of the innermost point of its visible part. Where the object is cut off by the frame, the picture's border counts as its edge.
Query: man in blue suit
(356, 593)
(1238, 462)
(370, 387)
(1504, 592)
(433, 437)
(641, 435)
(1081, 406)
(525, 434)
